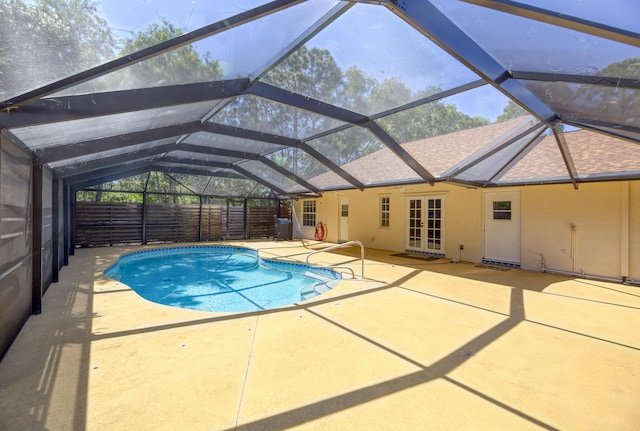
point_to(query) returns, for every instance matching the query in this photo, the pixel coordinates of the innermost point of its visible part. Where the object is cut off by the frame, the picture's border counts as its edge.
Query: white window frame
(309, 208)
(385, 211)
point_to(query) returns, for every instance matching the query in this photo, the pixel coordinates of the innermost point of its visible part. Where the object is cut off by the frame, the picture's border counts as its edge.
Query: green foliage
(428, 120)
(49, 39)
(174, 67)
(605, 103)
(628, 69)
(511, 110)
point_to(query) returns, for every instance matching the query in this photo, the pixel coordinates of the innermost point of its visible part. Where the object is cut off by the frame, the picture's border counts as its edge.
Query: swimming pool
(219, 278)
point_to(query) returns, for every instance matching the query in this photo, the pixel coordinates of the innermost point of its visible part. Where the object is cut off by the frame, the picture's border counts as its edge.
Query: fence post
(66, 229)
(227, 227)
(200, 220)
(55, 228)
(36, 237)
(144, 218)
(245, 217)
(72, 222)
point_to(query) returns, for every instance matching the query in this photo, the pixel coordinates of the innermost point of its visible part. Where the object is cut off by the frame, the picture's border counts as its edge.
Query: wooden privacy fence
(110, 223)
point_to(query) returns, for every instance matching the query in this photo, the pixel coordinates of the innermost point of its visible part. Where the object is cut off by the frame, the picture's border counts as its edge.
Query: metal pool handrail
(346, 244)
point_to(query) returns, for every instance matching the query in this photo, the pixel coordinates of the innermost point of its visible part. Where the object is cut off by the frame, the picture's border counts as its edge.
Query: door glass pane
(415, 223)
(502, 210)
(434, 218)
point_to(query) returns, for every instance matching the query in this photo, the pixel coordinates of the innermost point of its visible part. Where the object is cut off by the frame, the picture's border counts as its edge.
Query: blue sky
(383, 46)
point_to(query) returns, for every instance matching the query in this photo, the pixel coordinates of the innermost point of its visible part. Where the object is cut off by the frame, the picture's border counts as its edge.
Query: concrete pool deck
(417, 345)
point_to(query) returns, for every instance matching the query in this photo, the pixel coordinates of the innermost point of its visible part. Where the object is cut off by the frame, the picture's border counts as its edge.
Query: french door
(425, 224)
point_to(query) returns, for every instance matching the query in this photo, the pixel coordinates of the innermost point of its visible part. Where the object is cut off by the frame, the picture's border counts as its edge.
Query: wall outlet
(461, 247)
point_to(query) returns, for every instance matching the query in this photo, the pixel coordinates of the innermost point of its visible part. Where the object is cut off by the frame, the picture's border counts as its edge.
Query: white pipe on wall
(579, 275)
(573, 248)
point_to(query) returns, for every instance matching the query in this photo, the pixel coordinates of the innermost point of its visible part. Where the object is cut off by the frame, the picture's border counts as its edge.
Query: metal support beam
(86, 148)
(432, 98)
(247, 156)
(104, 162)
(36, 237)
(236, 168)
(243, 172)
(516, 158)
(609, 129)
(66, 208)
(105, 175)
(332, 166)
(213, 151)
(293, 177)
(566, 153)
(259, 180)
(221, 173)
(604, 81)
(153, 51)
(55, 228)
(474, 160)
(284, 141)
(66, 108)
(426, 18)
(399, 151)
(276, 94)
(252, 135)
(562, 19)
(196, 162)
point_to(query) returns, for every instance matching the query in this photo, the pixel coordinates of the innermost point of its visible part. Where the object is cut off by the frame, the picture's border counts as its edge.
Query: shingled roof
(537, 159)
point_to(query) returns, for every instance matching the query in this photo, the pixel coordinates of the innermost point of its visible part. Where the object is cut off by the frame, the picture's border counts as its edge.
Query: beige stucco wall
(463, 217)
(548, 213)
(634, 230)
(606, 216)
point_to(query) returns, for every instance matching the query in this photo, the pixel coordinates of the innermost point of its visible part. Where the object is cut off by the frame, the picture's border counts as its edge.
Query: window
(309, 213)
(384, 211)
(502, 210)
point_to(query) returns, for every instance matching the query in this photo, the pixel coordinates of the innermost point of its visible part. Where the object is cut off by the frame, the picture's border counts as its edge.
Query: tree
(614, 104)
(47, 40)
(428, 120)
(174, 67)
(310, 72)
(585, 101)
(511, 110)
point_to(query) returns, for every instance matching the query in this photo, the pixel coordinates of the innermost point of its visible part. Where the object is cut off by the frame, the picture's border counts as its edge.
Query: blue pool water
(218, 278)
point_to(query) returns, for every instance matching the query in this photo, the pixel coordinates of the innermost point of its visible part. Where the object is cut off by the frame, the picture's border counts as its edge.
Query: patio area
(417, 345)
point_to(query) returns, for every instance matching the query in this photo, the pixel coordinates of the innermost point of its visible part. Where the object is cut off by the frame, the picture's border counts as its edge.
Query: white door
(343, 235)
(502, 226)
(425, 224)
